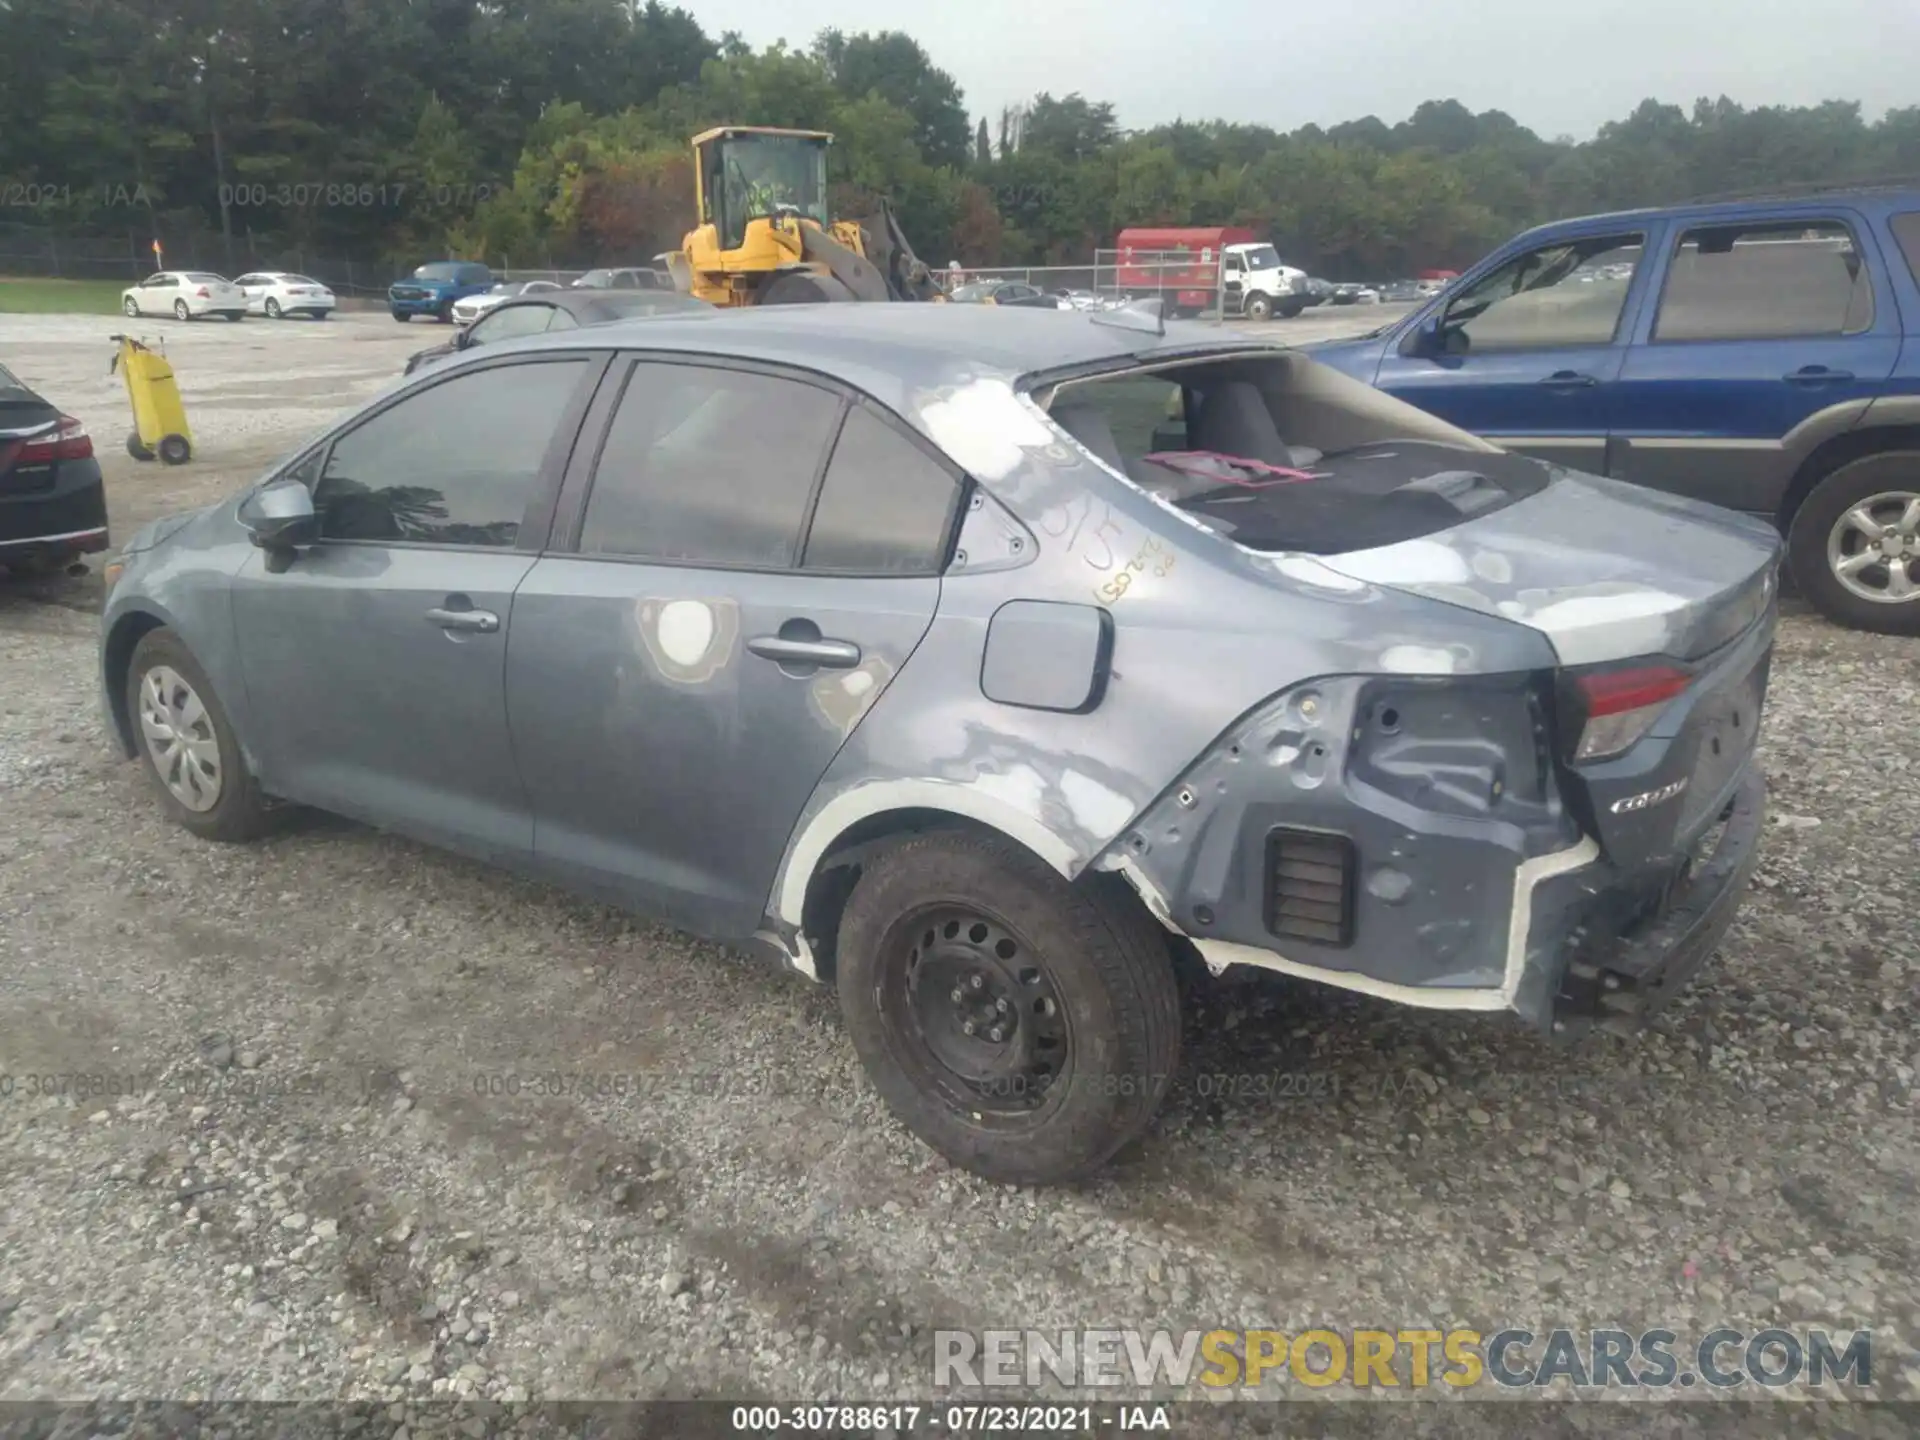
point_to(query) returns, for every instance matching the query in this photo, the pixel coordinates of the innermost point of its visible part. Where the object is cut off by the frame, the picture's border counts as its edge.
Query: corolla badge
(1646, 799)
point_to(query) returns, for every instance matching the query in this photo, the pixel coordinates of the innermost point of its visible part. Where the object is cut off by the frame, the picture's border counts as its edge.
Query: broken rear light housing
(1616, 706)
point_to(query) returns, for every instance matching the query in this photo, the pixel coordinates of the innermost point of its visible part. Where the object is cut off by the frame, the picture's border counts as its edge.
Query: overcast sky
(1556, 66)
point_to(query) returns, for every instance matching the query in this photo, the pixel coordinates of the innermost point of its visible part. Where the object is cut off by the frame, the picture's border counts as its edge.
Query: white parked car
(275, 293)
(466, 311)
(185, 295)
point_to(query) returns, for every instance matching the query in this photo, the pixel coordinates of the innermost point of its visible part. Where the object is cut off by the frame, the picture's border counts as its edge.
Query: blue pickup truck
(434, 287)
(1760, 354)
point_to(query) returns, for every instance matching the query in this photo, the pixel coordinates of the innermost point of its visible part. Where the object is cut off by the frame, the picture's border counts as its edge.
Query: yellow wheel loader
(765, 237)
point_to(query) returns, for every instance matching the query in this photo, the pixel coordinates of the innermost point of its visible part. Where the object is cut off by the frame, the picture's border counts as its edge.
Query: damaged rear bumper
(1618, 984)
(1406, 839)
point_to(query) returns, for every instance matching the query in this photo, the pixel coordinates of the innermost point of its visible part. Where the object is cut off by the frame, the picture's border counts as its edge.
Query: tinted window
(475, 275)
(451, 465)
(1566, 294)
(708, 466)
(1765, 282)
(1906, 229)
(883, 506)
(510, 322)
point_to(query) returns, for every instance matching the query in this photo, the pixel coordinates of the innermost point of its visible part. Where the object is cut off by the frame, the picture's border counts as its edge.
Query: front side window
(1906, 230)
(884, 506)
(1560, 295)
(453, 464)
(1763, 282)
(707, 466)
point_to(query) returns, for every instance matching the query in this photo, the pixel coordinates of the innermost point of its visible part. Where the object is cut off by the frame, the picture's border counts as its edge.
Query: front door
(1760, 328)
(677, 687)
(1527, 355)
(375, 661)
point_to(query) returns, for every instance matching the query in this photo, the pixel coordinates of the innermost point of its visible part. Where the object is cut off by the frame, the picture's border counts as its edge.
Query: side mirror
(280, 516)
(1426, 338)
(460, 340)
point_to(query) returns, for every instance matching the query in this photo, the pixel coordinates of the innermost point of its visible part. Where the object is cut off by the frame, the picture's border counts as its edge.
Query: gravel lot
(298, 1167)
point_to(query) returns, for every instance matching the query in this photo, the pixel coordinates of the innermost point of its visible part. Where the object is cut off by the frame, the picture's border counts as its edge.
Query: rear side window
(1906, 229)
(453, 464)
(884, 506)
(1765, 282)
(706, 466)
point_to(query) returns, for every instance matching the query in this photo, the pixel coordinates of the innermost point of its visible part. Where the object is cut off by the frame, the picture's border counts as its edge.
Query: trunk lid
(1606, 571)
(23, 416)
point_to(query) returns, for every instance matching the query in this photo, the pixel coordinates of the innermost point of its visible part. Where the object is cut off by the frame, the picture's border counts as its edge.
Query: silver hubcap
(1874, 549)
(180, 738)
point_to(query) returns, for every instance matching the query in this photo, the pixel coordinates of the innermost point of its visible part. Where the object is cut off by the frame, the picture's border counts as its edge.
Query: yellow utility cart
(159, 419)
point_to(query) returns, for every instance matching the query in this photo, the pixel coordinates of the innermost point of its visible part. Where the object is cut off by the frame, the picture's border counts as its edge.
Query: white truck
(1259, 286)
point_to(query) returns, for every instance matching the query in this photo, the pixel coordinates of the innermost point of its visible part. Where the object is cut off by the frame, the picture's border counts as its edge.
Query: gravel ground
(299, 1167)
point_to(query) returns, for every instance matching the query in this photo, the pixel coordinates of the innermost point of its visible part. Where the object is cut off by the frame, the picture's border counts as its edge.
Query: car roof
(1872, 200)
(898, 352)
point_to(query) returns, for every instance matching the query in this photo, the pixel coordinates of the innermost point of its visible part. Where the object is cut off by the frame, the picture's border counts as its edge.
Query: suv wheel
(1854, 544)
(188, 744)
(1024, 1027)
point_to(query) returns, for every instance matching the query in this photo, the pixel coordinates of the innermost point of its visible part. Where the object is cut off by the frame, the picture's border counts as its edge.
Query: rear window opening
(1278, 453)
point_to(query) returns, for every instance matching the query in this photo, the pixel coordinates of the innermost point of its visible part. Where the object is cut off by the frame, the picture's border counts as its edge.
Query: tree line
(558, 129)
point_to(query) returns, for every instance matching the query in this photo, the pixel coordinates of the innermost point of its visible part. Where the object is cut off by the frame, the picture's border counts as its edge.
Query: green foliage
(555, 131)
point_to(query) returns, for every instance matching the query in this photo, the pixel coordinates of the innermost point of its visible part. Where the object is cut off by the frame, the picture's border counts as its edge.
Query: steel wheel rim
(181, 743)
(954, 965)
(1873, 549)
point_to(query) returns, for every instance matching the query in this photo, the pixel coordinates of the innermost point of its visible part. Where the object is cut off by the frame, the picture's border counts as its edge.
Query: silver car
(985, 662)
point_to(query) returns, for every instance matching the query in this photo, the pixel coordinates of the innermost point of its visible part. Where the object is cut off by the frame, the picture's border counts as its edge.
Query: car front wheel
(1259, 307)
(188, 743)
(272, 307)
(1024, 1027)
(129, 308)
(180, 310)
(1854, 544)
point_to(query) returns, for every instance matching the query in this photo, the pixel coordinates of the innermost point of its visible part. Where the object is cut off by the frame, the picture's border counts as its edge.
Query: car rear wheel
(1854, 544)
(402, 316)
(188, 743)
(1024, 1027)
(180, 310)
(272, 307)
(130, 309)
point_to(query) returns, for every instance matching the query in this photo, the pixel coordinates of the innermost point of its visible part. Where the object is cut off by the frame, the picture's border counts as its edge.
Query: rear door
(1760, 327)
(757, 555)
(1528, 353)
(374, 661)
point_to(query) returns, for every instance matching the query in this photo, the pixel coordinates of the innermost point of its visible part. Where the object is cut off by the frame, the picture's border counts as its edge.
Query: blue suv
(435, 287)
(1762, 354)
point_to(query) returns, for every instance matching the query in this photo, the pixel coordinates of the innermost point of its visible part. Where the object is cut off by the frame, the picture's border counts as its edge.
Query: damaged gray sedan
(980, 662)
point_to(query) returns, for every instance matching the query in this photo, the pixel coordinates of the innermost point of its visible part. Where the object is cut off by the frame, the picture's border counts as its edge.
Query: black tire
(236, 315)
(401, 316)
(1890, 472)
(1292, 309)
(1257, 307)
(1099, 963)
(321, 314)
(129, 308)
(800, 287)
(272, 307)
(175, 450)
(180, 310)
(241, 812)
(135, 448)
(445, 313)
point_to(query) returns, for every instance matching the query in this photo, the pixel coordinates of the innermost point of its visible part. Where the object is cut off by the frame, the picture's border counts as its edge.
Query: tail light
(1618, 707)
(67, 441)
(203, 293)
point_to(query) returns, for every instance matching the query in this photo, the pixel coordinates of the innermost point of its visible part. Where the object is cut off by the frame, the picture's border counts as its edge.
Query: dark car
(1760, 354)
(553, 310)
(435, 288)
(1016, 293)
(53, 506)
(915, 647)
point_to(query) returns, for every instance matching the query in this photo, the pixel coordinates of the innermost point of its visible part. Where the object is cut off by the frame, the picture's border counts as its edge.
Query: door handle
(484, 621)
(1815, 375)
(1569, 377)
(834, 654)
